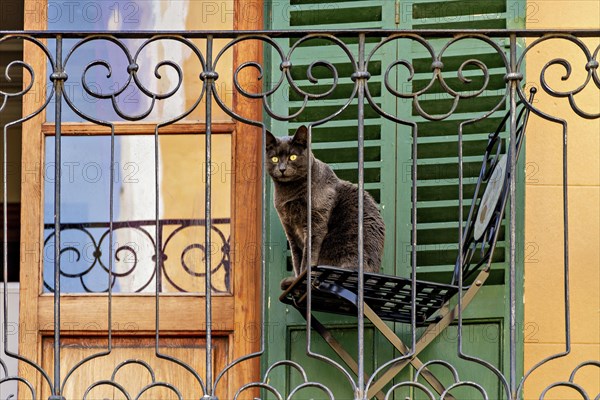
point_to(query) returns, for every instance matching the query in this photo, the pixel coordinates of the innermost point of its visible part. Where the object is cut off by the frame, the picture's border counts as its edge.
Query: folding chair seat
(389, 298)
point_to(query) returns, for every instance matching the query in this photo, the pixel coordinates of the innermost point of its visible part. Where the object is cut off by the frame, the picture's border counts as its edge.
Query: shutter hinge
(397, 12)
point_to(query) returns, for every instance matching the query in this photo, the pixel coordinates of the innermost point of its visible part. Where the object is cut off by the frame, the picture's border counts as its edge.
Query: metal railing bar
(138, 223)
(210, 77)
(361, 188)
(58, 77)
(512, 157)
(218, 34)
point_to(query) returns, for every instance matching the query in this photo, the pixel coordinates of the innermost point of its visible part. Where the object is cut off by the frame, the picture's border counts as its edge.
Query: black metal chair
(388, 298)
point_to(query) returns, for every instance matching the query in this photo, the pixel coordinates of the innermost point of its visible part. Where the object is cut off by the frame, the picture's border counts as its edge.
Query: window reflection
(85, 214)
(111, 75)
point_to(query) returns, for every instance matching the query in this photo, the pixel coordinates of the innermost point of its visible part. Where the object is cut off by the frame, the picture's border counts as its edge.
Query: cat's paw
(287, 282)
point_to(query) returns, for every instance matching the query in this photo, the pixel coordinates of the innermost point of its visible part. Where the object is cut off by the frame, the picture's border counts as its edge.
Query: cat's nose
(282, 167)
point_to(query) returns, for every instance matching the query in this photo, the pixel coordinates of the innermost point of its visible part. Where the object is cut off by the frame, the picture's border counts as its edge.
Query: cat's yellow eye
(275, 159)
(293, 157)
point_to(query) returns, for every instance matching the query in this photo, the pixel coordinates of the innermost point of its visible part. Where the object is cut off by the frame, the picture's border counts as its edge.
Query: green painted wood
(335, 15)
(516, 20)
(388, 156)
(446, 9)
(328, 376)
(485, 333)
(335, 143)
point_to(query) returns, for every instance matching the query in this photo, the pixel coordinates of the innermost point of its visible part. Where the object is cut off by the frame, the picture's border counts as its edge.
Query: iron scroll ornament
(89, 251)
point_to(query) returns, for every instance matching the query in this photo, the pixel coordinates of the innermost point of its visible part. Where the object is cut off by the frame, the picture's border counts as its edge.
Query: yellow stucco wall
(544, 327)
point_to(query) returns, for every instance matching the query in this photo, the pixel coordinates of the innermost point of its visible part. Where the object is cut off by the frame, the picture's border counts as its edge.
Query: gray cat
(334, 209)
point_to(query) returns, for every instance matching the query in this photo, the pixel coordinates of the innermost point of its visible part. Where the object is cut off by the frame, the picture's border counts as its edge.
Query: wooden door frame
(247, 204)
(233, 315)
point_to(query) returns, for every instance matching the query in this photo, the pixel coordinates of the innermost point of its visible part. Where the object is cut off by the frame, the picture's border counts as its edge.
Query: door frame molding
(233, 314)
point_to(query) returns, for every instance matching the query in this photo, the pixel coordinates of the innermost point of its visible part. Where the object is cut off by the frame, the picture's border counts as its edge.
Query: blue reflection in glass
(84, 198)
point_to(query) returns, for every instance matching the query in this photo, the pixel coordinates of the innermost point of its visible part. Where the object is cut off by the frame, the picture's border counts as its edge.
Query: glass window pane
(98, 68)
(85, 214)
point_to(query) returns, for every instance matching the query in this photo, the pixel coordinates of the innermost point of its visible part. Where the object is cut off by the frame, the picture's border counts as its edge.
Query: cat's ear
(301, 136)
(271, 140)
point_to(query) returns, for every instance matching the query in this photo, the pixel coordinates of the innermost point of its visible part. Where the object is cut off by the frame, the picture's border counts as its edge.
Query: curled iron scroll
(133, 80)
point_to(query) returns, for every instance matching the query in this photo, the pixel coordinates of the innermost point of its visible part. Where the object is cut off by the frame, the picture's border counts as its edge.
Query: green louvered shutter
(335, 143)
(387, 169)
(485, 333)
(438, 140)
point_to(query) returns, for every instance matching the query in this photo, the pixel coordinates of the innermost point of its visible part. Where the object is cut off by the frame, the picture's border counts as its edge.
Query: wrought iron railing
(89, 241)
(359, 56)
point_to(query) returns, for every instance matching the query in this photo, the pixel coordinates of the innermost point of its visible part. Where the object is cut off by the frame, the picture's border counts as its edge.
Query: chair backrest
(486, 213)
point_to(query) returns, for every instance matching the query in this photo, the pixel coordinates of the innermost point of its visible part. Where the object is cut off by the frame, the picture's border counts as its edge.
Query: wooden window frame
(180, 314)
